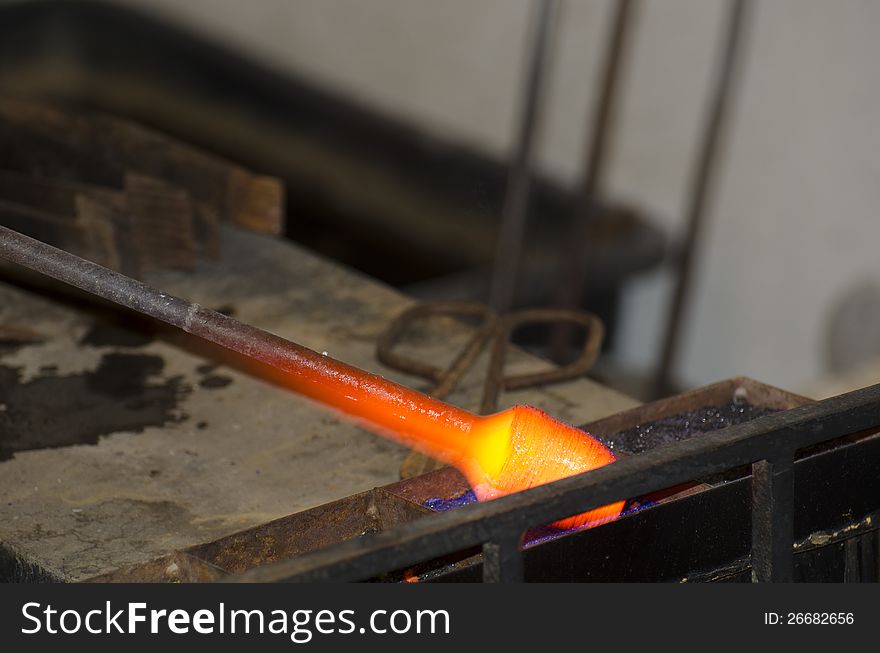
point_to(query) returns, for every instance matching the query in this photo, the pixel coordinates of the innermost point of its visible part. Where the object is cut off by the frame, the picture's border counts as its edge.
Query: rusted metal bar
(503, 561)
(499, 331)
(702, 187)
(447, 379)
(495, 379)
(773, 519)
(516, 199)
(573, 273)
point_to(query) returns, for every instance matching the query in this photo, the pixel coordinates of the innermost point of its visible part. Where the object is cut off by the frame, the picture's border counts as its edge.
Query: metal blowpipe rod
(499, 454)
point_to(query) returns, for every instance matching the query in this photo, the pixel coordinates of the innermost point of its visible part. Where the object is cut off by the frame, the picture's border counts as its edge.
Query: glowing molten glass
(499, 454)
(523, 447)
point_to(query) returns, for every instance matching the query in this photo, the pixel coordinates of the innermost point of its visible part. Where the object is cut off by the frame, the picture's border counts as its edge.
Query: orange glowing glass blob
(498, 454)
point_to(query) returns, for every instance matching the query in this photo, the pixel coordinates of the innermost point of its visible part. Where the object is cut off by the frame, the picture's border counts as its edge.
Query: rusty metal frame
(768, 444)
(498, 331)
(514, 214)
(703, 185)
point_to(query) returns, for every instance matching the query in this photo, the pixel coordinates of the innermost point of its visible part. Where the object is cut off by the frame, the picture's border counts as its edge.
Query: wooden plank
(99, 149)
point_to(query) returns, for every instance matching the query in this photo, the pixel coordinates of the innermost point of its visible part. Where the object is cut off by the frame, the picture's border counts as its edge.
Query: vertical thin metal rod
(773, 520)
(573, 277)
(702, 186)
(516, 200)
(503, 561)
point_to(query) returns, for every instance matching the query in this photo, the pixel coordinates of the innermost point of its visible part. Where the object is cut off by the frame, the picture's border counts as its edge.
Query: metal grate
(768, 444)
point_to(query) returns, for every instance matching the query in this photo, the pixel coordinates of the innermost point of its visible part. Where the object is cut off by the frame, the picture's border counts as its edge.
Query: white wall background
(795, 221)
